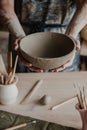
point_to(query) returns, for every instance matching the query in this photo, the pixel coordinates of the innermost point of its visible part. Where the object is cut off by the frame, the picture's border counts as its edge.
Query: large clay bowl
(47, 50)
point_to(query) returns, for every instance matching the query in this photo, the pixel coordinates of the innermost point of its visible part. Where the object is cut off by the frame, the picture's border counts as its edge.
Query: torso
(48, 11)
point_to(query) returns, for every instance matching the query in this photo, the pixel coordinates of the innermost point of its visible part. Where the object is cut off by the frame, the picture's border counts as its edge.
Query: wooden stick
(2, 79)
(84, 99)
(15, 65)
(9, 61)
(8, 78)
(62, 103)
(19, 126)
(2, 66)
(78, 96)
(79, 101)
(81, 98)
(14, 69)
(31, 92)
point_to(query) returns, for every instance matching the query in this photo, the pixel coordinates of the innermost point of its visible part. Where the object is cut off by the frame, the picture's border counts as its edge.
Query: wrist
(78, 21)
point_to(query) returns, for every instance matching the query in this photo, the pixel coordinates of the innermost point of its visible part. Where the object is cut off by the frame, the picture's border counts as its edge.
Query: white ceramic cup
(9, 93)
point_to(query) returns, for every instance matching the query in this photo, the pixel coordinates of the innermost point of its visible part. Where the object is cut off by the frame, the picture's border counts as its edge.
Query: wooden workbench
(60, 87)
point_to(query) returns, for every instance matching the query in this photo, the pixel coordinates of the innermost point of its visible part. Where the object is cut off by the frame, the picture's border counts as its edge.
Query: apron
(46, 16)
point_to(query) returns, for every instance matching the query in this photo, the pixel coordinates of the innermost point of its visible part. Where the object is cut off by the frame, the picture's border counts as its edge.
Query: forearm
(78, 21)
(9, 18)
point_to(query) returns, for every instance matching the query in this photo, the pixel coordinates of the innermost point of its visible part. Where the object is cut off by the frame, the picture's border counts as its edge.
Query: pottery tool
(9, 61)
(14, 69)
(78, 96)
(8, 77)
(81, 97)
(2, 66)
(62, 103)
(2, 79)
(31, 92)
(84, 98)
(20, 126)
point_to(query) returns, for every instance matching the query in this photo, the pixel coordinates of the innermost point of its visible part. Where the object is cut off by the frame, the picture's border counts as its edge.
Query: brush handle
(17, 127)
(31, 92)
(9, 61)
(62, 103)
(14, 69)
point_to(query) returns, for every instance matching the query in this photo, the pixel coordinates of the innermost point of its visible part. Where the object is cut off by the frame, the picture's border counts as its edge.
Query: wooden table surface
(57, 85)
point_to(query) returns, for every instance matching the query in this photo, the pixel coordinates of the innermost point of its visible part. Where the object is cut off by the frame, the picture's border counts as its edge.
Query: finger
(38, 70)
(78, 46)
(29, 65)
(26, 63)
(77, 43)
(67, 64)
(57, 69)
(16, 44)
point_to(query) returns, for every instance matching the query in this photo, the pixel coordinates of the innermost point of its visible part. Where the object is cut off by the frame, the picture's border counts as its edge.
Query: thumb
(16, 43)
(77, 43)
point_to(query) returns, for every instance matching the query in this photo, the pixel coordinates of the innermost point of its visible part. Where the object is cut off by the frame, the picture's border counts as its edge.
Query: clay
(45, 100)
(47, 50)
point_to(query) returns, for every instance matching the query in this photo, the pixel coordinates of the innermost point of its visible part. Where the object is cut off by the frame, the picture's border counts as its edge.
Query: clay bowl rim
(48, 59)
(48, 63)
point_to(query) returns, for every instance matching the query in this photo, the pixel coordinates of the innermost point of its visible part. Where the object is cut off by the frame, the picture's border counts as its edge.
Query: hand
(69, 63)
(29, 65)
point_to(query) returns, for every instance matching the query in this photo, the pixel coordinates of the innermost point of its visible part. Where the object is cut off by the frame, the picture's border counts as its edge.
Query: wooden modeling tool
(9, 61)
(31, 92)
(20, 126)
(62, 103)
(2, 66)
